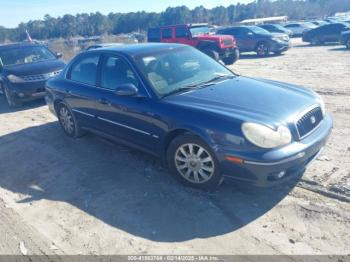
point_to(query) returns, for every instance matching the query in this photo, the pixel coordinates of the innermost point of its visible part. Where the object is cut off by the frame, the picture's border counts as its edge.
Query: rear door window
(85, 70)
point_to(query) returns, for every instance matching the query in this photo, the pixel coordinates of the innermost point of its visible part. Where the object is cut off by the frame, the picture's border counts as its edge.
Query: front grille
(41, 77)
(228, 42)
(309, 121)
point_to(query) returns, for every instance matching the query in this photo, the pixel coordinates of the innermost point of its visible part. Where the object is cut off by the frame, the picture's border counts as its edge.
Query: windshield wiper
(179, 90)
(211, 81)
(199, 85)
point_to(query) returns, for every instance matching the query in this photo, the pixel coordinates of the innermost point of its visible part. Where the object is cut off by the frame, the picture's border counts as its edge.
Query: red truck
(219, 47)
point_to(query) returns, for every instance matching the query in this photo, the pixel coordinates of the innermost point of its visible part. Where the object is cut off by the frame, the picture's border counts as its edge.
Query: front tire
(348, 44)
(10, 99)
(193, 163)
(262, 49)
(231, 59)
(68, 121)
(213, 54)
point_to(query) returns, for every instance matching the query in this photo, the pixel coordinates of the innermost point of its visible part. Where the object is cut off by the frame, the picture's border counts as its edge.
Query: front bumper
(280, 46)
(28, 91)
(291, 160)
(50, 103)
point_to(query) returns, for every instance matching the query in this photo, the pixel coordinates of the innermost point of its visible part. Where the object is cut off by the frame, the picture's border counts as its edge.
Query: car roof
(16, 45)
(137, 49)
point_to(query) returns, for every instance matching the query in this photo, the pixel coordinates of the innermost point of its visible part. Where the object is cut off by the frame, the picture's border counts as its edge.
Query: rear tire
(262, 49)
(193, 163)
(68, 121)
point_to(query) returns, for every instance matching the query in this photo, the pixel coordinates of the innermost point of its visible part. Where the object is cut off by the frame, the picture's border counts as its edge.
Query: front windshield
(183, 67)
(258, 30)
(199, 30)
(24, 55)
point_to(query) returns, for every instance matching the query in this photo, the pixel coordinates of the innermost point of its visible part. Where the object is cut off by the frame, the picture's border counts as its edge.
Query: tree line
(116, 23)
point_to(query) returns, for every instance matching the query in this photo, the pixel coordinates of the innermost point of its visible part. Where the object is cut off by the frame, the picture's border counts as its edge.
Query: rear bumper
(279, 165)
(50, 103)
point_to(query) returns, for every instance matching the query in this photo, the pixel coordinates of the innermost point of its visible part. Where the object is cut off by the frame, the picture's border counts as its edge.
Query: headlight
(265, 137)
(15, 79)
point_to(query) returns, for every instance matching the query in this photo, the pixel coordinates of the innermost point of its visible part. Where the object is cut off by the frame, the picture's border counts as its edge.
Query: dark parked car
(325, 33)
(24, 70)
(259, 40)
(299, 28)
(201, 119)
(345, 39)
(276, 28)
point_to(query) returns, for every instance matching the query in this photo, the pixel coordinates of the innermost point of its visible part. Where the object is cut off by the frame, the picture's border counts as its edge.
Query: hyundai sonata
(204, 121)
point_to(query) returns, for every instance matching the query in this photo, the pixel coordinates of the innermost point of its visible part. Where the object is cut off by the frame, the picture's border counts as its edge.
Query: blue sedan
(204, 121)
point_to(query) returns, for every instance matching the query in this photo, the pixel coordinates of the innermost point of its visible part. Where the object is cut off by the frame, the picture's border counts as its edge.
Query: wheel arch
(171, 135)
(206, 44)
(56, 103)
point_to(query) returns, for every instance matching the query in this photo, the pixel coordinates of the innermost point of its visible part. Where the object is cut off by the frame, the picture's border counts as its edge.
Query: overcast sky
(12, 12)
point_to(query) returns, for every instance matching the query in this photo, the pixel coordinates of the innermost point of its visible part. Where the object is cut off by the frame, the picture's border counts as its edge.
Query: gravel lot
(91, 196)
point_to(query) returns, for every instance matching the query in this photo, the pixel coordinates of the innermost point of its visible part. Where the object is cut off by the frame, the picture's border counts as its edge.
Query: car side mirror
(59, 55)
(126, 90)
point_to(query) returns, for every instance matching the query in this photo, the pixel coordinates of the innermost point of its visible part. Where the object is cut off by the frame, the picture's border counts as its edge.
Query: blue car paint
(214, 113)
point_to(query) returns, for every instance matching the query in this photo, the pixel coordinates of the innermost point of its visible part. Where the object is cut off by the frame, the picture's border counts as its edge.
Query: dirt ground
(91, 196)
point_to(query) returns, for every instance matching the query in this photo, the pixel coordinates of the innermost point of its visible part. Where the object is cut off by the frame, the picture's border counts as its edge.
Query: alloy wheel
(194, 163)
(262, 50)
(66, 120)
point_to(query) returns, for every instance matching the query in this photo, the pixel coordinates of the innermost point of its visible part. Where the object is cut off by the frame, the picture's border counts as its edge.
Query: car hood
(35, 68)
(246, 98)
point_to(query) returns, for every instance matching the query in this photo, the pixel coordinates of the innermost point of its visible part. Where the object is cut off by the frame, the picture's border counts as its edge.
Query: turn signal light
(235, 159)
